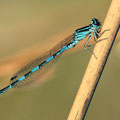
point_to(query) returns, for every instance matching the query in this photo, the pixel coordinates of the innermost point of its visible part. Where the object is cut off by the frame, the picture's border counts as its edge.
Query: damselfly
(35, 67)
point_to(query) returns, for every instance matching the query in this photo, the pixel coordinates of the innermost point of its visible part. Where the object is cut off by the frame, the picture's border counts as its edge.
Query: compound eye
(94, 21)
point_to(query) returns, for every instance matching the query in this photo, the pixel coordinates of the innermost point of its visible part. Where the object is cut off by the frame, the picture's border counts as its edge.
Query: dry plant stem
(96, 66)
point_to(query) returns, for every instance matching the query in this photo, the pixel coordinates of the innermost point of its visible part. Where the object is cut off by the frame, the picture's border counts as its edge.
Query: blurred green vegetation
(27, 23)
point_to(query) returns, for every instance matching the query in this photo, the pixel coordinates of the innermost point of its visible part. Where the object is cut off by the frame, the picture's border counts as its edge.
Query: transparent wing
(37, 74)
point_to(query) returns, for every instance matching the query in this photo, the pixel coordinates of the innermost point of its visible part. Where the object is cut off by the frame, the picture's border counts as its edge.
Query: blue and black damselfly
(34, 68)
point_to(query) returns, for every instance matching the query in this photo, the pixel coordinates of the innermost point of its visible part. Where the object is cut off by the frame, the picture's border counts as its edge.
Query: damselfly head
(95, 22)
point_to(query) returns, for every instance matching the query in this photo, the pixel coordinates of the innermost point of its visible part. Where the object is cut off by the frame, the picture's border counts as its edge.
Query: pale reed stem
(95, 67)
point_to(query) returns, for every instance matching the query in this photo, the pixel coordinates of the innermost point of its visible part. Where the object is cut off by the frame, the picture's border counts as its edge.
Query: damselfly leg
(86, 45)
(97, 35)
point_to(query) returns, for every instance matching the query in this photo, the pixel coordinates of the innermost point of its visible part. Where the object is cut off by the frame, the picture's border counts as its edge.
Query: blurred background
(28, 28)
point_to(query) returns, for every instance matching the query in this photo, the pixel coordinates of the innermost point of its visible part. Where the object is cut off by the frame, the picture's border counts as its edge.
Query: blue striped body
(66, 44)
(32, 71)
(46, 61)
